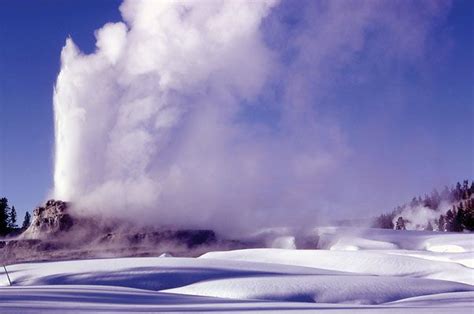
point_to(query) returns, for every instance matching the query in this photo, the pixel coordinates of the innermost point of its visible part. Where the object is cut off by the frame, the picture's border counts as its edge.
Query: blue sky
(414, 127)
(32, 34)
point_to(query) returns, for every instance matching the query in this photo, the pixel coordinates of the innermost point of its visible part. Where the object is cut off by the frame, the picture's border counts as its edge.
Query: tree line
(8, 219)
(455, 206)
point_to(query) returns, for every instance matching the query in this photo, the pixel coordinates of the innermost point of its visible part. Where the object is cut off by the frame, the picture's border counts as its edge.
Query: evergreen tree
(26, 221)
(441, 223)
(450, 214)
(445, 194)
(12, 218)
(429, 227)
(427, 201)
(414, 202)
(457, 225)
(3, 216)
(469, 215)
(435, 199)
(400, 224)
(465, 190)
(384, 221)
(458, 192)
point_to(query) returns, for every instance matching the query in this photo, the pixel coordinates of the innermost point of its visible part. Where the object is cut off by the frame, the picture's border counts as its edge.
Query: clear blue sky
(32, 34)
(438, 108)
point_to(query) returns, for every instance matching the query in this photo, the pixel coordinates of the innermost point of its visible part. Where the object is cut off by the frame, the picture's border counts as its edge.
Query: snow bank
(379, 239)
(321, 288)
(356, 244)
(151, 273)
(97, 299)
(354, 274)
(359, 262)
(448, 300)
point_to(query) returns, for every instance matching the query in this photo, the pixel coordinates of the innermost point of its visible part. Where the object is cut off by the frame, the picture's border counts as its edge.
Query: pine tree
(445, 194)
(441, 223)
(12, 218)
(458, 192)
(400, 224)
(427, 201)
(429, 227)
(465, 190)
(450, 214)
(469, 215)
(384, 221)
(457, 225)
(26, 221)
(3, 216)
(414, 202)
(435, 199)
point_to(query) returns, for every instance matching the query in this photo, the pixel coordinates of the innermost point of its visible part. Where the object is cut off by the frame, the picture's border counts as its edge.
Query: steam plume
(202, 113)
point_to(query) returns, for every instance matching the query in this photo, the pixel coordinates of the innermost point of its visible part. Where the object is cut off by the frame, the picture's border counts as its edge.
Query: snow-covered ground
(354, 271)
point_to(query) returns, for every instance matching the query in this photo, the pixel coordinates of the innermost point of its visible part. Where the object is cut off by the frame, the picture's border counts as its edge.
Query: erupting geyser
(144, 124)
(151, 123)
(202, 113)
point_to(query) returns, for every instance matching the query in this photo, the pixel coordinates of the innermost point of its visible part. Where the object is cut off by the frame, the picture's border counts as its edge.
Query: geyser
(202, 113)
(150, 125)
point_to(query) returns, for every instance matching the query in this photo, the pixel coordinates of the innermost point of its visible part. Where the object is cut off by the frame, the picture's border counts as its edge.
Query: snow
(358, 271)
(320, 289)
(356, 244)
(377, 263)
(371, 238)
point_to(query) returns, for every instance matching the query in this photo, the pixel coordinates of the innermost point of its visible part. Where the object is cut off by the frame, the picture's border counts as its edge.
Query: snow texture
(373, 272)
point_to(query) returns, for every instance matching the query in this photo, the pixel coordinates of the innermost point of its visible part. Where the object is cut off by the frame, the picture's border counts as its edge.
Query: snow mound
(380, 239)
(378, 263)
(320, 288)
(457, 243)
(356, 244)
(459, 299)
(151, 273)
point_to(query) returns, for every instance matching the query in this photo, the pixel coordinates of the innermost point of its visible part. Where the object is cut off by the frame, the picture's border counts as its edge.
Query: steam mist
(205, 113)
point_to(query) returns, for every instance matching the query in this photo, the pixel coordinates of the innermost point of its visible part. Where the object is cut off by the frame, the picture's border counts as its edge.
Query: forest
(453, 209)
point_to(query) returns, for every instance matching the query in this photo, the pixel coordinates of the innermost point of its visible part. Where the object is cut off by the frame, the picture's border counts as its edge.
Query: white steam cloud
(201, 113)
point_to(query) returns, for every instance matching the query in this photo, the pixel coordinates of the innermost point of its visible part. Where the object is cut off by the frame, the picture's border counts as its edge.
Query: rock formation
(56, 232)
(49, 221)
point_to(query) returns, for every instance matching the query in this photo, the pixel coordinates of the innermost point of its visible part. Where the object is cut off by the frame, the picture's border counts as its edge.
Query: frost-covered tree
(458, 219)
(384, 221)
(469, 215)
(429, 227)
(400, 225)
(441, 223)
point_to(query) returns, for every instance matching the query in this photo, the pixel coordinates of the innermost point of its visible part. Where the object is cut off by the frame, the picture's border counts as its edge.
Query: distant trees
(400, 224)
(458, 218)
(8, 219)
(385, 221)
(3, 216)
(469, 213)
(429, 227)
(442, 223)
(26, 221)
(11, 220)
